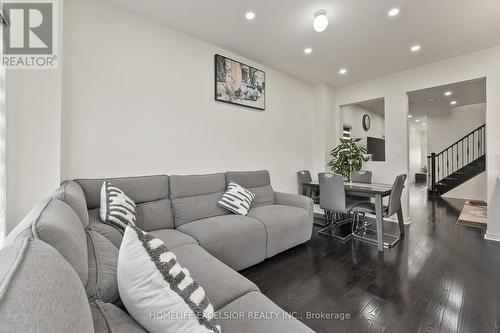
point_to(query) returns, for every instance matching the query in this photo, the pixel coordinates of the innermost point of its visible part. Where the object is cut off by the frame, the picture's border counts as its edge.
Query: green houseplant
(347, 156)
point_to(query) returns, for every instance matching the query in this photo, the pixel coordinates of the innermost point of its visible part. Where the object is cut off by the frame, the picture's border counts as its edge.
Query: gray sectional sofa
(58, 271)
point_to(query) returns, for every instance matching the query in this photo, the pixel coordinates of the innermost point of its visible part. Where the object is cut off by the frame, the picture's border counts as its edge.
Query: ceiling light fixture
(342, 71)
(320, 21)
(308, 50)
(423, 124)
(410, 116)
(448, 93)
(415, 48)
(453, 102)
(418, 120)
(393, 12)
(250, 15)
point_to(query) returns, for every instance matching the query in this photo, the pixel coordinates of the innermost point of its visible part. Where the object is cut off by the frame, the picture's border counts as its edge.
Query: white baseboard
(492, 237)
(465, 197)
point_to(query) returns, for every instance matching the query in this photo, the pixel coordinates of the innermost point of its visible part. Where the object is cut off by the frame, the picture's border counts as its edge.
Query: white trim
(465, 197)
(492, 237)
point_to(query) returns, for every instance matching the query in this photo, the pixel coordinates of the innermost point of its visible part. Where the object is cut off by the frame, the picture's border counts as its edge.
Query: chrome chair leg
(336, 221)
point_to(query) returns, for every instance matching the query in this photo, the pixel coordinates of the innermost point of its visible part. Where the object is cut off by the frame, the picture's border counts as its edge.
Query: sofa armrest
(295, 200)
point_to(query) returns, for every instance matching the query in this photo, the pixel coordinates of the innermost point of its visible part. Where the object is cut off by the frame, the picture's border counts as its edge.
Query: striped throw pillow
(236, 199)
(157, 291)
(117, 209)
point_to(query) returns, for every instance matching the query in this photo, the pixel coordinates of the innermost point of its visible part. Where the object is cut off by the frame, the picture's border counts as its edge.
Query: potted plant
(347, 156)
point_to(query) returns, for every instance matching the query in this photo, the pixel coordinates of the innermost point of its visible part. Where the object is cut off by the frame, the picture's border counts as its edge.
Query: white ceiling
(432, 101)
(360, 36)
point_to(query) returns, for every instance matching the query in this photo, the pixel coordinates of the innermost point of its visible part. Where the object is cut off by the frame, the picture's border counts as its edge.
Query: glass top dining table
(373, 190)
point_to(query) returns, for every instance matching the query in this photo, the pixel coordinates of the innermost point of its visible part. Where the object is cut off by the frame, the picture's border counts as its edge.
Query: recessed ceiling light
(448, 93)
(415, 48)
(250, 15)
(453, 102)
(342, 71)
(393, 12)
(418, 120)
(308, 50)
(410, 116)
(423, 124)
(320, 21)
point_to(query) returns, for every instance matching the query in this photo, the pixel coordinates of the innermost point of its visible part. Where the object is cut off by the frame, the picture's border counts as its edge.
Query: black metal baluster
(467, 149)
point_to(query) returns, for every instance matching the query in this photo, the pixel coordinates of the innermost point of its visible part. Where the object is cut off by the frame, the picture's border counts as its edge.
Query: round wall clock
(366, 122)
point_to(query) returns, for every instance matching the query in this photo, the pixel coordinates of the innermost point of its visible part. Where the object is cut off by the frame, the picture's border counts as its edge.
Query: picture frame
(238, 83)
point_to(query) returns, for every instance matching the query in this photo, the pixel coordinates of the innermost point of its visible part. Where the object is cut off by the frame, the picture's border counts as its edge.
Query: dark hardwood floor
(442, 277)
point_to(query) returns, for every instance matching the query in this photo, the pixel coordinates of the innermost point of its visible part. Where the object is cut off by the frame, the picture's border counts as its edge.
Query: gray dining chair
(336, 205)
(361, 176)
(393, 207)
(364, 177)
(304, 177)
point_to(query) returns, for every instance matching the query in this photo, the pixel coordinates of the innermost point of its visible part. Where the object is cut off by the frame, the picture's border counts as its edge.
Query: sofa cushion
(258, 182)
(116, 209)
(40, 291)
(57, 224)
(255, 303)
(236, 199)
(195, 197)
(150, 193)
(110, 319)
(286, 226)
(103, 258)
(114, 235)
(173, 238)
(157, 291)
(72, 194)
(222, 284)
(236, 240)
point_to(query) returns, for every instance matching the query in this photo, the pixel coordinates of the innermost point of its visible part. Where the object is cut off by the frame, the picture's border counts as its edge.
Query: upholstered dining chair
(393, 207)
(364, 177)
(304, 177)
(361, 176)
(336, 205)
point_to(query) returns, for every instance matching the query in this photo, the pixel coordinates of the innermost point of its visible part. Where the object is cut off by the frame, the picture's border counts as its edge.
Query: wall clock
(366, 122)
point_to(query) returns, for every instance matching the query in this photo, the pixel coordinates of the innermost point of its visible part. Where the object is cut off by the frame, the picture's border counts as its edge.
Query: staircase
(460, 162)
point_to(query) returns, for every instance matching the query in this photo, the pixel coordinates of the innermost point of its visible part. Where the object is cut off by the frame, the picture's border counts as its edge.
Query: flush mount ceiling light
(320, 21)
(393, 12)
(453, 102)
(308, 50)
(448, 93)
(415, 48)
(342, 71)
(410, 116)
(250, 15)
(418, 120)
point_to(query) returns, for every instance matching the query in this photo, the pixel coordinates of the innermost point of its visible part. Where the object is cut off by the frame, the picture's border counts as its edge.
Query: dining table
(370, 190)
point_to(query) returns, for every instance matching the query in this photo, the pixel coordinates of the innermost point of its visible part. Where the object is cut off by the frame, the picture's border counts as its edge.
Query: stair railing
(456, 156)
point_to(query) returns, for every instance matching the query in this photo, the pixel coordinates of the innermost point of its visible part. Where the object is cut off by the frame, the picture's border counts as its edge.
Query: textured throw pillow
(117, 209)
(236, 199)
(157, 292)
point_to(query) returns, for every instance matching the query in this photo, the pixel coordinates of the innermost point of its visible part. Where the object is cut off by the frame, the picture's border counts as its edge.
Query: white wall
(393, 88)
(33, 102)
(352, 115)
(445, 129)
(417, 152)
(138, 98)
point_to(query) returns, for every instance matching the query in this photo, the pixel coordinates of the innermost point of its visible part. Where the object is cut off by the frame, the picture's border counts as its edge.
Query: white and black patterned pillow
(236, 199)
(157, 291)
(117, 209)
